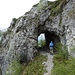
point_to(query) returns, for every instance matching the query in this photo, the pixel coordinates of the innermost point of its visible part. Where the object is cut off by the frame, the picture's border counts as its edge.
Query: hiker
(51, 47)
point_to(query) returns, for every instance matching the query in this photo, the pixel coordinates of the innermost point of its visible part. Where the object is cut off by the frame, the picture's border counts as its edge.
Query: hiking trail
(48, 63)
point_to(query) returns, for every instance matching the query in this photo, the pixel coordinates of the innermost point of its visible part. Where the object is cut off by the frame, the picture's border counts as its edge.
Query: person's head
(51, 41)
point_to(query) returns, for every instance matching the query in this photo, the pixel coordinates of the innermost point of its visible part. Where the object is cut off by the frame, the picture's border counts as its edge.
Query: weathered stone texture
(20, 41)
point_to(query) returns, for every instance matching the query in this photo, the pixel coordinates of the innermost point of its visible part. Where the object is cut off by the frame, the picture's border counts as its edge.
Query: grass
(63, 66)
(35, 67)
(15, 68)
(32, 68)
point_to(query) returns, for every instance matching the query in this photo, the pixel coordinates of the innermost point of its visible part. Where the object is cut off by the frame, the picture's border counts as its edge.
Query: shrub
(14, 19)
(63, 66)
(62, 52)
(41, 43)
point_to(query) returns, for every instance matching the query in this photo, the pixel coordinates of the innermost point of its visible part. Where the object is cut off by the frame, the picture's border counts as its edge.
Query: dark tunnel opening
(50, 36)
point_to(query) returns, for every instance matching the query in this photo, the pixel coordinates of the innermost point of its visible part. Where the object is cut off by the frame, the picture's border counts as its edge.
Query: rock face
(20, 40)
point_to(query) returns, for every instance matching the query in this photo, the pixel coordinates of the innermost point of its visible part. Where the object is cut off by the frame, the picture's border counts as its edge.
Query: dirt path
(49, 62)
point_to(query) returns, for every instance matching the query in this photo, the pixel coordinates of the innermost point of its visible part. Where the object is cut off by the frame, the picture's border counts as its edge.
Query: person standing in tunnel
(51, 47)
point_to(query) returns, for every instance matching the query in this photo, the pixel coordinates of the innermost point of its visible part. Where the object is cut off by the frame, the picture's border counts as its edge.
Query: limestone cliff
(20, 41)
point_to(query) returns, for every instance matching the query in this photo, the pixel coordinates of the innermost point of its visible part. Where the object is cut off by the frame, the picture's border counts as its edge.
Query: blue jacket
(51, 44)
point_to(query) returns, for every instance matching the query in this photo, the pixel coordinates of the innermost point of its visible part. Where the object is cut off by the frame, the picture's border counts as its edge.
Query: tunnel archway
(51, 36)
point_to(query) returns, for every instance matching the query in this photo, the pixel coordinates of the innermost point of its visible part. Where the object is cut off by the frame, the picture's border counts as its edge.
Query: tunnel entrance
(50, 36)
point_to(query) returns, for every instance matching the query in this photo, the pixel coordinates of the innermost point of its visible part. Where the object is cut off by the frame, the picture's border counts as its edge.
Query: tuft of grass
(35, 67)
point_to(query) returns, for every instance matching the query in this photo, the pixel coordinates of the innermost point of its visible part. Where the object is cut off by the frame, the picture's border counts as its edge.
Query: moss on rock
(57, 7)
(60, 21)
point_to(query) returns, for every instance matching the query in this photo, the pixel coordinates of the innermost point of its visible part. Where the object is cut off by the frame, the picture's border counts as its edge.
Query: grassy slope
(63, 66)
(36, 67)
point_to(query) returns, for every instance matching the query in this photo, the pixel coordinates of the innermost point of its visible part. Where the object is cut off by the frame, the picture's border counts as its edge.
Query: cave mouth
(51, 36)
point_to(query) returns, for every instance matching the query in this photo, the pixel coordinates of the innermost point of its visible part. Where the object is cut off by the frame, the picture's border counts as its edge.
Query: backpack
(51, 44)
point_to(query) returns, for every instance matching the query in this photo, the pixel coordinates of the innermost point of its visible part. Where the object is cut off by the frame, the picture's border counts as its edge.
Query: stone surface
(20, 40)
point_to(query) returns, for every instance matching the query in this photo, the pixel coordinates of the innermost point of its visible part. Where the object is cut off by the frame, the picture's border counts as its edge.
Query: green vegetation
(71, 13)
(62, 53)
(57, 7)
(18, 19)
(14, 19)
(63, 66)
(32, 68)
(35, 5)
(41, 43)
(60, 21)
(15, 68)
(41, 6)
(35, 67)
